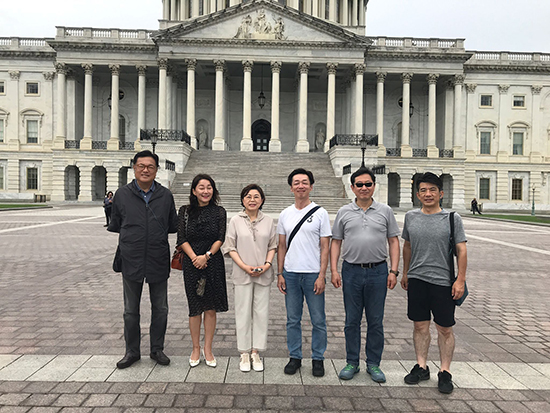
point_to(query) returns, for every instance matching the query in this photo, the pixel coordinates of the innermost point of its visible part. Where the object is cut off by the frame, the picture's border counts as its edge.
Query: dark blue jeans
(364, 288)
(158, 293)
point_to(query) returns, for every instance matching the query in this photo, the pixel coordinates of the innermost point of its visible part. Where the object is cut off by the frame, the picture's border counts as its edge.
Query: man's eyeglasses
(141, 167)
(362, 184)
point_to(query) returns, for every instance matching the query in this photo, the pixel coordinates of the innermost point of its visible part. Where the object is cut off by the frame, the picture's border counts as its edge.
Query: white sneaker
(244, 364)
(257, 363)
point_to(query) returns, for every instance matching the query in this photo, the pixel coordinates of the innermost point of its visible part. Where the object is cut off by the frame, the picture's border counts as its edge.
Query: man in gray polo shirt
(365, 225)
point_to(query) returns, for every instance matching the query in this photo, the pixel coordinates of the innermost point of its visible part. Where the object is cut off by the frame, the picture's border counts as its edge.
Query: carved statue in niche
(320, 137)
(244, 29)
(203, 136)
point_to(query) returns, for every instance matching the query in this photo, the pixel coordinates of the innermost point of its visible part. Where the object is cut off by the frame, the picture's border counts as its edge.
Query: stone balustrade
(22, 43)
(102, 33)
(512, 57)
(411, 42)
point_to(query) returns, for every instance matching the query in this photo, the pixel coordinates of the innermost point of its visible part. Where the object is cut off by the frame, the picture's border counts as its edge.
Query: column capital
(191, 64)
(115, 69)
(220, 65)
(276, 66)
(359, 68)
(406, 77)
(88, 68)
(163, 64)
(141, 69)
(303, 67)
(432, 78)
(331, 68)
(248, 65)
(381, 77)
(14, 74)
(535, 89)
(471, 87)
(48, 75)
(61, 68)
(503, 89)
(458, 80)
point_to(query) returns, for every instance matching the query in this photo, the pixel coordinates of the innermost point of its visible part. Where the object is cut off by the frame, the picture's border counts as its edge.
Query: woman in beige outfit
(251, 241)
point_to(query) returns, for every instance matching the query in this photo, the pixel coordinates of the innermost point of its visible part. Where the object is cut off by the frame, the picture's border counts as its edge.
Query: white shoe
(211, 363)
(244, 364)
(257, 363)
(195, 363)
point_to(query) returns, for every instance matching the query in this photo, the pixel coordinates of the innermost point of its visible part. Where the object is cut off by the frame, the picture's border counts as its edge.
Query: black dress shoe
(127, 360)
(160, 358)
(318, 368)
(293, 365)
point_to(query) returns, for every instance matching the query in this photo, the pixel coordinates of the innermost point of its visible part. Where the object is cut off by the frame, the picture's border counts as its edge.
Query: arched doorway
(394, 183)
(122, 176)
(261, 135)
(447, 201)
(99, 183)
(72, 183)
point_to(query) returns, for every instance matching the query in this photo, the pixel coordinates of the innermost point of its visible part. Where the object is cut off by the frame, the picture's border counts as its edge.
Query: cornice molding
(25, 54)
(497, 68)
(112, 47)
(416, 56)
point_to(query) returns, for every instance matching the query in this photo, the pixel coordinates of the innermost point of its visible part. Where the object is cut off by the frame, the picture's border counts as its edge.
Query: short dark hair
(362, 171)
(249, 188)
(146, 154)
(430, 178)
(301, 171)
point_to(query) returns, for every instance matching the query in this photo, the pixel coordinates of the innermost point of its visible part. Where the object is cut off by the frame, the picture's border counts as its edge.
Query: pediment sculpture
(260, 28)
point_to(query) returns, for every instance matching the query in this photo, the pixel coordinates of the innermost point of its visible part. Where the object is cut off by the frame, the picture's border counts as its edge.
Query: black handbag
(453, 254)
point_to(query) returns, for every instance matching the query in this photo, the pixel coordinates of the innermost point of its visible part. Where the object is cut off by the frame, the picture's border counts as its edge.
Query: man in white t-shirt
(302, 260)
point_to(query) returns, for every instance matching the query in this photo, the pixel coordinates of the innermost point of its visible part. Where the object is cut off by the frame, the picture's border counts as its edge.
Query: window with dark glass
(32, 178)
(486, 100)
(519, 101)
(517, 186)
(517, 144)
(32, 88)
(32, 131)
(485, 143)
(484, 188)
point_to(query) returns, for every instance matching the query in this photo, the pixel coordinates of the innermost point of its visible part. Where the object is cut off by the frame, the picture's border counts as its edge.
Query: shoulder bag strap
(452, 250)
(299, 225)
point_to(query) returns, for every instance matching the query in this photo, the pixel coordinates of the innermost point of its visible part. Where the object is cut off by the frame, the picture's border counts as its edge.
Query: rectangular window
(2, 88)
(519, 101)
(1, 177)
(485, 143)
(32, 178)
(517, 186)
(1, 130)
(517, 144)
(32, 88)
(32, 131)
(484, 191)
(486, 101)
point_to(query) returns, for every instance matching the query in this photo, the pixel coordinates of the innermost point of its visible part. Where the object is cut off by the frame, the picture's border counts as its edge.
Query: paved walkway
(61, 333)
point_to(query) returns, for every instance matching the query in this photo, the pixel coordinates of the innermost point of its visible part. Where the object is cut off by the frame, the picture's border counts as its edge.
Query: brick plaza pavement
(61, 333)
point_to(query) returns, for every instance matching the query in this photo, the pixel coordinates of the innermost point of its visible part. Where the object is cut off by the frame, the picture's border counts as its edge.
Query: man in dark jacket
(144, 214)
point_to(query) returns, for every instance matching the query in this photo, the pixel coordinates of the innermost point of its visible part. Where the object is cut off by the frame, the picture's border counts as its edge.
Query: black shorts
(425, 298)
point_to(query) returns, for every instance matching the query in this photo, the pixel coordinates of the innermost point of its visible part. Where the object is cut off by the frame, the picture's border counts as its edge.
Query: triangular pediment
(260, 21)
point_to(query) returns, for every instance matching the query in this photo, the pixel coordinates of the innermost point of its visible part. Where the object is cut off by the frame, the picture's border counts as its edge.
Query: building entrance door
(261, 134)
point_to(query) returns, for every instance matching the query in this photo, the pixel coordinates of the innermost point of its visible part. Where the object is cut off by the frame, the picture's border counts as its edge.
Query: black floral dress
(201, 231)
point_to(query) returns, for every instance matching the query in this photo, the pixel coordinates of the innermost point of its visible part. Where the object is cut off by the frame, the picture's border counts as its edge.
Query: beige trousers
(251, 316)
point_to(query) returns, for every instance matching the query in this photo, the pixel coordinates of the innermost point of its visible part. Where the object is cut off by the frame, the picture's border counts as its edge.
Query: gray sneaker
(348, 372)
(376, 374)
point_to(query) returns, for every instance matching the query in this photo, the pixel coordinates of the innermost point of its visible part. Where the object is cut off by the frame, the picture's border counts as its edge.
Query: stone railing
(393, 151)
(99, 33)
(354, 140)
(420, 153)
(72, 144)
(126, 146)
(156, 135)
(513, 57)
(411, 42)
(23, 43)
(446, 153)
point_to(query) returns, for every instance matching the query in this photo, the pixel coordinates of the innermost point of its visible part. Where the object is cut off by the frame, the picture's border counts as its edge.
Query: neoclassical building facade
(286, 76)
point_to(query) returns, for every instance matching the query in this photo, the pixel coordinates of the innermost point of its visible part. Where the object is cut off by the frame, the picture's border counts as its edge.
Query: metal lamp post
(363, 149)
(154, 138)
(533, 202)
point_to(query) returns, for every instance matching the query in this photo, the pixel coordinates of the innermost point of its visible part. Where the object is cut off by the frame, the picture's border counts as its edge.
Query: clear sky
(499, 25)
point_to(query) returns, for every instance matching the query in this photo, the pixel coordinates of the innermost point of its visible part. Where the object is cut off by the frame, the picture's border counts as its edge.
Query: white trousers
(251, 316)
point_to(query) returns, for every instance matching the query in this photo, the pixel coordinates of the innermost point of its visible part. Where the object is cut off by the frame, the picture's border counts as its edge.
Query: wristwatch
(395, 272)
(208, 254)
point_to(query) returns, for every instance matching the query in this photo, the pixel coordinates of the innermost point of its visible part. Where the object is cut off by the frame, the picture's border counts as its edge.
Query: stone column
(163, 67)
(359, 68)
(142, 82)
(353, 13)
(169, 96)
(503, 148)
(218, 143)
(246, 141)
(195, 8)
(112, 143)
(536, 142)
(471, 146)
(345, 12)
(61, 125)
(332, 10)
(351, 102)
(86, 142)
(433, 152)
(191, 66)
(331, 103)
(458, 138)
(380, 79)
(165, 9)
(275, 142)
(302, 145)
(405, 188)
(406, 150)
(173, 10)
(86, 189)
(361, 12)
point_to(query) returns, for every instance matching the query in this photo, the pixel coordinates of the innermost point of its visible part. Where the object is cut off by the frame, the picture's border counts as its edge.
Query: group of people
(364, 233)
